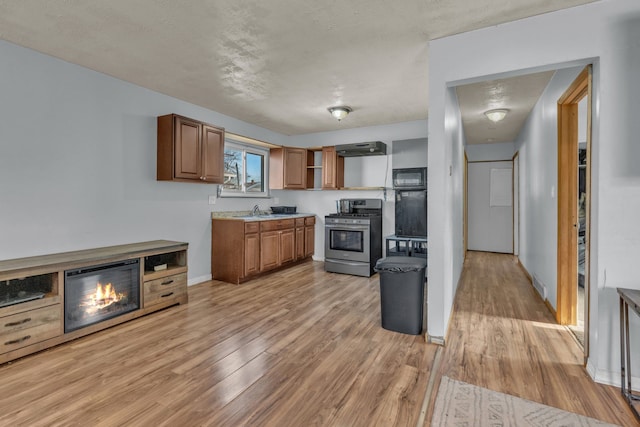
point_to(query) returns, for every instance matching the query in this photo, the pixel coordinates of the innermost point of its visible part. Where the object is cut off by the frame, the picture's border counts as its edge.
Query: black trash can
(402, 282)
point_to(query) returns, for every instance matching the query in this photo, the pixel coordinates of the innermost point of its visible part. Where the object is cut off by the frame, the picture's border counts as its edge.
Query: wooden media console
(32, 292)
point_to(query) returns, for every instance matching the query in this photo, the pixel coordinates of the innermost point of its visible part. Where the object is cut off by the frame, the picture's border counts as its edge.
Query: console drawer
(23, 329)
(160, 290)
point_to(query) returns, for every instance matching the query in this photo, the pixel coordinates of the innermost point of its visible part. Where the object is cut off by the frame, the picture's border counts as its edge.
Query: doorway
(490, 207)
(574, 188)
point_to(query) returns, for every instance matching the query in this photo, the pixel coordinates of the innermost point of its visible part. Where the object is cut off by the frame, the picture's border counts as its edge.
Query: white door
(490, 207)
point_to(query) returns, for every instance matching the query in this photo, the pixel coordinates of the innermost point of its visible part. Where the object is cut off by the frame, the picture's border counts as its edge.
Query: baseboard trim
(551, 309)
(196, 280)
(524, 270)
(431, 339)
(546, 301)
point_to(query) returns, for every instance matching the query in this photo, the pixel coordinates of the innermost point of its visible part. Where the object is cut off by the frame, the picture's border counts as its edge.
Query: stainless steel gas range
(353, 237)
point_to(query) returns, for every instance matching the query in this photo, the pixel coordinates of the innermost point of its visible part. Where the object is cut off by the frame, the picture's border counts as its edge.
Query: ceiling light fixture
(496, 115)
(340, 112)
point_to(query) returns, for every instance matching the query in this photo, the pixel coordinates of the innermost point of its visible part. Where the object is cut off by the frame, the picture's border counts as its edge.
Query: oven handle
(348, 227)
(341, 261)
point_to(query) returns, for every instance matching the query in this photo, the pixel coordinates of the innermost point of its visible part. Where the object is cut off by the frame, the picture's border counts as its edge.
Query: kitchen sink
(263, 216)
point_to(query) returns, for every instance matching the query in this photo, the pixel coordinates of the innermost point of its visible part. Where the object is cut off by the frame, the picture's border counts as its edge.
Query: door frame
(515, 200)
(568, 222)
(465, 212)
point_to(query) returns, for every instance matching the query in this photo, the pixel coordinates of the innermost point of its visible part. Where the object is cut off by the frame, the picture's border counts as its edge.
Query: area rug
(459, 404)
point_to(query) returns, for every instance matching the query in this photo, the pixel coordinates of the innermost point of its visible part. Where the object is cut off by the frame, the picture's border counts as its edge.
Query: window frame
(230, 143)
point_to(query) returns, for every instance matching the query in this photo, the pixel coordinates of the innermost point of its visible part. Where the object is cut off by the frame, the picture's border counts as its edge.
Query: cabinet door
(309, 240)
(332, 169)
(269, 248)
(295, 168)
(300, 243)
(287, 246)
(251, 254)
(187, 149)
(212, 154)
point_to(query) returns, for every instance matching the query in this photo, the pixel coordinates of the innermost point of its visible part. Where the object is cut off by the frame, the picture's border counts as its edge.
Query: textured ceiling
(278, 63)
(516, 94)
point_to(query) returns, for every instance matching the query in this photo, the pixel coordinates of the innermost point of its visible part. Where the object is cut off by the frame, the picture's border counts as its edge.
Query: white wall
(445, 208)
(78, 163)
(536, 44)
(490, 152)
(537, 145)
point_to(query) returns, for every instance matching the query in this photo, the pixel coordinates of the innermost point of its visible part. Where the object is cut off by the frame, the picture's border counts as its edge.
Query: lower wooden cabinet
(287, 246)
(309, 237)
(300, 248)
(241, 250)
(269, 246)
(251, 254)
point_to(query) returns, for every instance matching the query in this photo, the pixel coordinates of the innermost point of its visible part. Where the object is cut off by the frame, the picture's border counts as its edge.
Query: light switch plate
(212, 199)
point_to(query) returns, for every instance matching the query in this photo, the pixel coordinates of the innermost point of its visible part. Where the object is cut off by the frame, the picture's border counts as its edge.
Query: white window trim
(247, 148)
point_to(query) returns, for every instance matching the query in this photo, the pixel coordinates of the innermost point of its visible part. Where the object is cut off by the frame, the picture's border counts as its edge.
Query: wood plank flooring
(503, 337)
(297, 348)
(301, 348)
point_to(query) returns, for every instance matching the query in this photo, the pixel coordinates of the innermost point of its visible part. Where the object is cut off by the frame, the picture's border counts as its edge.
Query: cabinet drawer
(30, 327)
(310, 220)
(299, 222)
(280, 224)
(251, 227)
(159, 290)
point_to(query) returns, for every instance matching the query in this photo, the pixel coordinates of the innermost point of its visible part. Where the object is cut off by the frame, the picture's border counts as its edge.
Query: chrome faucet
(256, 210)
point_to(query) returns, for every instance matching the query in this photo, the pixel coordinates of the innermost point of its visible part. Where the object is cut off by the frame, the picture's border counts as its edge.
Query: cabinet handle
(19, 340)
(166, 295)
(167, 282)
(19, 322)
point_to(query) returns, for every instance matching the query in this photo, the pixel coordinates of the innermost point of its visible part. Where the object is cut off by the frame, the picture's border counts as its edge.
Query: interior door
(490, 210)
(574, 189)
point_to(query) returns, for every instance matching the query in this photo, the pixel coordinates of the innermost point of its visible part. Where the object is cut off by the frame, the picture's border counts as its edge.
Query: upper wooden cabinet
(332, 169)
(189, 150)
(288, 168)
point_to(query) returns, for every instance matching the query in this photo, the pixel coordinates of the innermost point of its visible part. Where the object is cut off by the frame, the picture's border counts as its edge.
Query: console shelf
(32, 292)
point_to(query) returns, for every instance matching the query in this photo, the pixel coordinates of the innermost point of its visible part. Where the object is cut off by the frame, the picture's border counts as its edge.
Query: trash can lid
(400, 264)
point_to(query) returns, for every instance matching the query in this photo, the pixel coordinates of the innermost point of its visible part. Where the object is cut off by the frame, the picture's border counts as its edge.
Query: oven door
(347, 242)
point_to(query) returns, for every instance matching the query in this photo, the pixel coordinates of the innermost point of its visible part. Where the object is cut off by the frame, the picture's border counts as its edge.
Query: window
(246, 170)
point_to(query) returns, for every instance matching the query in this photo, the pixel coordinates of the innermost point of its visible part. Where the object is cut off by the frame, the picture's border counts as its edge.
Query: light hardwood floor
(299, 348)
(503, 337)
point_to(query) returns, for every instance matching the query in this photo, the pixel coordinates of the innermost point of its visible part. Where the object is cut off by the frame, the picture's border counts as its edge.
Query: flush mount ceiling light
(496, 115)
(340, 112)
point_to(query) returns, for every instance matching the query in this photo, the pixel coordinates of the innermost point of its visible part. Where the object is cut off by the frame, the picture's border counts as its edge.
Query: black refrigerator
(411, 213)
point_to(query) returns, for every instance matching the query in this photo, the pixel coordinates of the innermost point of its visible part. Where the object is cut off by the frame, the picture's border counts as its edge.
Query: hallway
(503, 337)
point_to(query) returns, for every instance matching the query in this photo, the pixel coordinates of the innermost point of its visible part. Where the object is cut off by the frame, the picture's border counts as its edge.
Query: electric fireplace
(97, 293)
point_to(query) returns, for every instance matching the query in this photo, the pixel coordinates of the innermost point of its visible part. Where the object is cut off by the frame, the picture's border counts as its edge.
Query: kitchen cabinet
(189, 150)
(242, 250)
(276, 248)
(300, 236)
(332, 169)
(288, 168)
(309, 236)
(277, 243)
(251, 248)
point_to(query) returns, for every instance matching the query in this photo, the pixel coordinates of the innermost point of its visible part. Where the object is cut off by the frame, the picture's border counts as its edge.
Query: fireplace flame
(103, 297)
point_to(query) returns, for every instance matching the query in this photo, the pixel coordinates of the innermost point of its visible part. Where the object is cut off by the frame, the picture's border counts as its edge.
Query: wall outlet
(212, 199)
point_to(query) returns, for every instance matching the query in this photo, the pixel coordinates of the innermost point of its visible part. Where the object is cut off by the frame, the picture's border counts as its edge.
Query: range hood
(373, 148)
